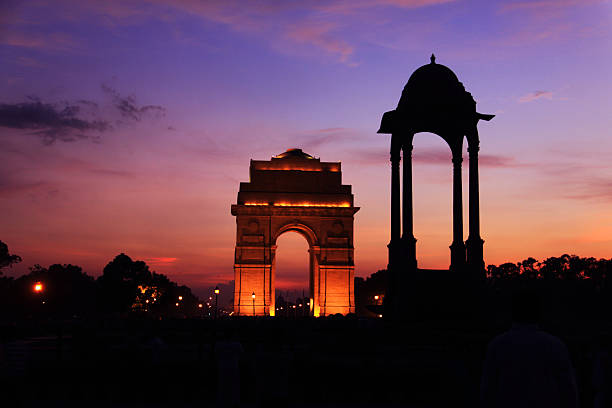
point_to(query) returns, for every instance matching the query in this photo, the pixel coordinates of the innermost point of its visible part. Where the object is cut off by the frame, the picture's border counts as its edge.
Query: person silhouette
(525, 366)
(227, 354)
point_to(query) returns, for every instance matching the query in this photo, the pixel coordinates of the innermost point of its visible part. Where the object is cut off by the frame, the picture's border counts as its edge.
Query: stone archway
(294, 192)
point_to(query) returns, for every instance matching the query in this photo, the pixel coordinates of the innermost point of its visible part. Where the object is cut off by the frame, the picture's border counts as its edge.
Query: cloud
(319, 35)
(348, 6)
(126, 106)
(47, 41)
(530, 97)
(312, 23)
(10, 187)
(50, 121)
(71, 121)
(591, 189)
(546, 5)
(160, 261)
(434, 156)
(313, 140)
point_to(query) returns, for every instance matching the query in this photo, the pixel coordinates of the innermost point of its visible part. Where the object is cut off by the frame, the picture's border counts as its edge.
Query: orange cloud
(160, 261)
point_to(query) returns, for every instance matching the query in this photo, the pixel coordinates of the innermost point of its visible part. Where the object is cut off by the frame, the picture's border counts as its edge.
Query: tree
(127, 285)
(119, 283)
(66, 290)
(7, 259)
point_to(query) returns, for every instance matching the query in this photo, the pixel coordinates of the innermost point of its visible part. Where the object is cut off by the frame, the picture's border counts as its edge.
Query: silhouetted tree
(66, 290)
(128, 285)
(565, 267)
(119, 283)
(7, 259)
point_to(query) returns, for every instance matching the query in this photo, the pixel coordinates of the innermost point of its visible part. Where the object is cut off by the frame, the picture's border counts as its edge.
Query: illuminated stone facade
(294, 192)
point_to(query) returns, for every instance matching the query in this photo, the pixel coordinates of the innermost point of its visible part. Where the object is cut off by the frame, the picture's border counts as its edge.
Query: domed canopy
(434, 85)
(432, 75)
(433, 100)
(293, 153)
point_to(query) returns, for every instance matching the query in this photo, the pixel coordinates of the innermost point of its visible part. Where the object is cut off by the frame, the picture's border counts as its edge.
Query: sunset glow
(129, 126)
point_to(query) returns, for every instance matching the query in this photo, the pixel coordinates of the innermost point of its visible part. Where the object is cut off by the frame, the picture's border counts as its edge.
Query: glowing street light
(216, 300)
(253, 297)
(200, 305)
(176, 304)
(180, 298)
(38, 287)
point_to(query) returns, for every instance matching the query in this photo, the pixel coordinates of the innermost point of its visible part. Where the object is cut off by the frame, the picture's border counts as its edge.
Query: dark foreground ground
(341, 361)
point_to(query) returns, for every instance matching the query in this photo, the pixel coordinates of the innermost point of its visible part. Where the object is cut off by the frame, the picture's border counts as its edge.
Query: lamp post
(38, 289)
(253, 297)
(216, 301)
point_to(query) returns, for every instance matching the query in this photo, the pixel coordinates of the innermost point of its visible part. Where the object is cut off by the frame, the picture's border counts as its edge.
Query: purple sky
(126, 126)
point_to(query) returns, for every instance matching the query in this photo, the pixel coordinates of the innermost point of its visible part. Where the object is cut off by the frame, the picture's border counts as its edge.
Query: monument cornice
(271, 210)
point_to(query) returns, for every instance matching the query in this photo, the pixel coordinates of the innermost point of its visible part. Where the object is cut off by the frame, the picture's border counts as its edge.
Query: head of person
(526, 306)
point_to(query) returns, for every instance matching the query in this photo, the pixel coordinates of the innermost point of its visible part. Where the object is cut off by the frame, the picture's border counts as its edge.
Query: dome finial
(433, 59)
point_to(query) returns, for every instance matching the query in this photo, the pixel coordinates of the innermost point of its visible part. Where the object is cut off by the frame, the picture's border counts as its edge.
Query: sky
(126, 126)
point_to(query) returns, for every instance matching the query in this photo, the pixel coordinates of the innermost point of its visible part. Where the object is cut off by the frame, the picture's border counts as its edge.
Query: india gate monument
(294, 192)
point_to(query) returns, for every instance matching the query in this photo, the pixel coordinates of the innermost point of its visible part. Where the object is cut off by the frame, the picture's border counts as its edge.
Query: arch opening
(432, 185)
(293, 272)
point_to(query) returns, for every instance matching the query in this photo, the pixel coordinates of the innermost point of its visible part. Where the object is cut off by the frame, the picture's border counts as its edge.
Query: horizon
(127, 127)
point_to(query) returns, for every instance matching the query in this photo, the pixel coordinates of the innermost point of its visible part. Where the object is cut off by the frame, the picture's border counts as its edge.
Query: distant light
(379, 315)
(216, 290)
(176, 304)
(253, 295)
(200, 305)
(376, 297)
(210, 298)
(300, 305)
(147, 301)
(180, 298)
(38, 287)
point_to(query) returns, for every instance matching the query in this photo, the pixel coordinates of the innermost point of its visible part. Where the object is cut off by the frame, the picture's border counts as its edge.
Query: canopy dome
(432, 74)
(433, 100)
(433, 84)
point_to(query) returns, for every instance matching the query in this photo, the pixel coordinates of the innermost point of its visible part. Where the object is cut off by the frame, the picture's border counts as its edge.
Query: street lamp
(216, 300)
(38, 289)
(253, 296)
(180, 298)
(376, 297)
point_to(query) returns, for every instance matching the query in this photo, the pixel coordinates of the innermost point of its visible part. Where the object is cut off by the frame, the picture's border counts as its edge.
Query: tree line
(66, 291)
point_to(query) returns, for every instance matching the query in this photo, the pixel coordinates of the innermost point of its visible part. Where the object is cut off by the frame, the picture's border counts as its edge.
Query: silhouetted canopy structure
(433, 100)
